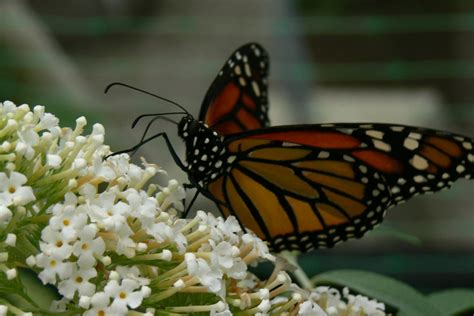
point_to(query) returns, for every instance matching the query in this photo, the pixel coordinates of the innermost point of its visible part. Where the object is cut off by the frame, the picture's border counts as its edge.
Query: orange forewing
(223, 104)
(320, 139)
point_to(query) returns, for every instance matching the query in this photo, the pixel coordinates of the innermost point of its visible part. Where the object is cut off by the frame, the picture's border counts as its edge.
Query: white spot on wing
(397, 128)
(255, 88)
(418, 179)
(323, 154)
(381, 145)
(237, 70)
(247, 70)
(375, 134)
(410, 143)
(419, 162)
(460, 169)
(414, 135)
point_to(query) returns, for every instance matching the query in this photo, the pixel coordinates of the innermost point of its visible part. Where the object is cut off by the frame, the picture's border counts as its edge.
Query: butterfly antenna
(143, 91)
(148, 127)
(135, 122)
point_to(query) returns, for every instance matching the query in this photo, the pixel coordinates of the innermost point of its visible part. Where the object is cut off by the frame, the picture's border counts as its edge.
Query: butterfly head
(187, 127)
(205, 151)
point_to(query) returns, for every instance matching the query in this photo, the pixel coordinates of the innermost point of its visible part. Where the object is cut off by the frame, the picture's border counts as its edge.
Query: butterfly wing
(237, 99)
(312, 186)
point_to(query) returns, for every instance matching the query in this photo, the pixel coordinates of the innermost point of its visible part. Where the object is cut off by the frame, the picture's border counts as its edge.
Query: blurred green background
(331, 61)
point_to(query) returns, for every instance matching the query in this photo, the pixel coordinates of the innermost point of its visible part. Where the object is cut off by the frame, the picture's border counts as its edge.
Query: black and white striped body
(206, 156)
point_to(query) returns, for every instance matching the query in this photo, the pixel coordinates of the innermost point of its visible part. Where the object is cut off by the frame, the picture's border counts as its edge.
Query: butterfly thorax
(206, 156)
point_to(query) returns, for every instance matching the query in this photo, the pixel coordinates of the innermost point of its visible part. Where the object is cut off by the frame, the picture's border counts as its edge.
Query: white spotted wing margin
(431, 160)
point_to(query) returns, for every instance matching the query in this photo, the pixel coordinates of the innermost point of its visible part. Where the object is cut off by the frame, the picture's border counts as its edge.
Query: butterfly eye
(193, 127)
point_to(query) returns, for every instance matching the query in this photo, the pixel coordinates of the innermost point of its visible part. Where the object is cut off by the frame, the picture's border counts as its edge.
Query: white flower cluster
(113, 245)
(326, 301)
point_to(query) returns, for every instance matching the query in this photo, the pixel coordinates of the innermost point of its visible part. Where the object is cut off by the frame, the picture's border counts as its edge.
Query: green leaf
(396, 233)
(394, 293)
(453, 301)
(40, 294)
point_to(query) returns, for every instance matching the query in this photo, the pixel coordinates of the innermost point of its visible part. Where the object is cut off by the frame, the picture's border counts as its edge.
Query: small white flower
(53, 267)
(359, 303)
(100, 305)
(221, 229)
(258, 245)
(173, 194)
(101, 169)
(55, 244)
(28, 138)
(222, 254)
(47, 121)
(84, 301)
(67, 219)
(104, 210)
(12, 190)
(166, 255)
(179, 284)
(31, 261)
(220, 309)
(163, 232)
(78, 282)
(88, 190)
(125, 244)
(310, 308)
(124, 295)
(11, 240)
(224, 257)
(11, 274)
(79, 164)
(53, 161)
(143, 207)
(88, 248)
(133, 273)
(106, 260)
(210, 277)
(5, 215)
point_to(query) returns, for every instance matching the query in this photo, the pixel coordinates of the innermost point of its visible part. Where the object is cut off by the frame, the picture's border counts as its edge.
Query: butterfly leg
(143, 142)
(188, 208)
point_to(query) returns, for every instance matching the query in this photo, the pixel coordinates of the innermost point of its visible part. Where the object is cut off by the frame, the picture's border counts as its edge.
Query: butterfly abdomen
(206, 156)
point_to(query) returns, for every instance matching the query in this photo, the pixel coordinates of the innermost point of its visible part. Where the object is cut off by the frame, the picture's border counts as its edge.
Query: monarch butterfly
(304, 186)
